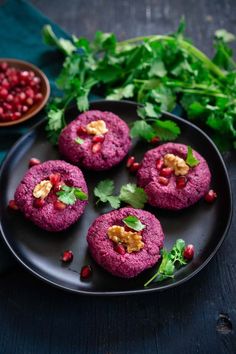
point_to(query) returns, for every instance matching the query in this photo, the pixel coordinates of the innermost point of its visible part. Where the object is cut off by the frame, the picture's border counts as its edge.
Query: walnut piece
(177, 164)
(131, 240)
(97, 127)
(42, 189)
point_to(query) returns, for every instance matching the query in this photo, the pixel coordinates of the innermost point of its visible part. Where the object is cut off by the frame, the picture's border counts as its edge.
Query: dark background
(197, 317)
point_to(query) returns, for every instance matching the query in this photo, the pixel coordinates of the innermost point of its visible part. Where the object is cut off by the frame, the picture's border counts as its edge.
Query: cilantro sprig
(69, 195)
(129, 193)
(191, 160)
(133, 223)
(169, 263)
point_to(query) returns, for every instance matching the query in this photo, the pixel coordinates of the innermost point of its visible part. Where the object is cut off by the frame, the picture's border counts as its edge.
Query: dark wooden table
(197, 317)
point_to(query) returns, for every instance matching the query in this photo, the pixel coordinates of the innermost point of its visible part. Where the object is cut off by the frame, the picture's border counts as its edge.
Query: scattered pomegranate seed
(130, 161)
(181, 182)
(39, 203)
(59, 205)
(120, 249)
(159, 164)
(98, 139)
(166, 172)
(67, 256)
(12, 205)
(188, 252)
(155, 140)
(85, 272)
(55, 178)
(135, 167)
(34, 161)
(81, 130)
(96, 147)
(163, 180)
(211, 196)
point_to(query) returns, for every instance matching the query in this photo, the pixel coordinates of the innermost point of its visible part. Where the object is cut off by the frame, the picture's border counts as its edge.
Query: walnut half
(97, 127)
(42, 189)
(131, 240)
(177, 164)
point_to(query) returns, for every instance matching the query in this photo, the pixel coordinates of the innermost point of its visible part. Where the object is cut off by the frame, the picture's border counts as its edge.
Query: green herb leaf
(79, 140)
(134, 223)
(121, 92)
(69, 195)
(104, 190)
(114, 201)
(142, 130)
(133, 195)
(166, 130)
(55, 124)
(50, 38)
(191, 160)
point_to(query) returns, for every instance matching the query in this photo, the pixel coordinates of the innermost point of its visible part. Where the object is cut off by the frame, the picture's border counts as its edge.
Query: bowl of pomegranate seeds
(24, 91)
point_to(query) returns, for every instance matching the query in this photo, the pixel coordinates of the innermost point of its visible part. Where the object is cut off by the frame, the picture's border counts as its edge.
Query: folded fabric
(20, 37)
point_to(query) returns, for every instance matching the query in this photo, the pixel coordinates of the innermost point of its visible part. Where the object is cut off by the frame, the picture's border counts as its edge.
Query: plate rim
(122, 292)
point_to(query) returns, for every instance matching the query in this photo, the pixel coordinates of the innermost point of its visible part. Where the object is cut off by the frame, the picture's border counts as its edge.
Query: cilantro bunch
(157, 71)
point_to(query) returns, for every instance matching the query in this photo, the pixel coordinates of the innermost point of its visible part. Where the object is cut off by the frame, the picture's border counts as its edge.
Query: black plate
(203, 225)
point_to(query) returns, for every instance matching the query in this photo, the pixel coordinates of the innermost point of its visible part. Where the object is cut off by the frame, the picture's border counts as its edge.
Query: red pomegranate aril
(86, 272)
(163, 180)
(29, 101)
(159, 164)
(188, 252)
(38, 97)
(24, 74)
(5, 84)
(22, 96)
(12, 205)
(59, 205)
(34, 161)
(81, 130)
(120, 249)
(29, 92)
(1, 111)
(4, 66)
(155, 140)
(211, 196)
(96, 147)
(24, 109)
(3, 93)
(16, 115)
(57, 186)
(135, 167)
(98, 139)
(130, 161)
(55, 178)
(39, 203)
(181, 182)
(10, 98)
(166, 172)
(67, 256)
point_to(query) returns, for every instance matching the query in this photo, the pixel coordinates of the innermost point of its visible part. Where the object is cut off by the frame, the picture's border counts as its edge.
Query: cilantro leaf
(50, 38)
(69, 195)
(55, 124)
(114, 201)
(142, 130)
(191, 160)
(121, 92)
(133, 195)
(79, 140)
(148, 110)
(166, 130)
(134, 223)
(104, 190)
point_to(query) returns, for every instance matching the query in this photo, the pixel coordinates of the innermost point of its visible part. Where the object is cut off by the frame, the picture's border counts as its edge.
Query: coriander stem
(150, 280)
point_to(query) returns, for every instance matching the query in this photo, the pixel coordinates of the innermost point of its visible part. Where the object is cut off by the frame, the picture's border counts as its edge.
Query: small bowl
(45, 89)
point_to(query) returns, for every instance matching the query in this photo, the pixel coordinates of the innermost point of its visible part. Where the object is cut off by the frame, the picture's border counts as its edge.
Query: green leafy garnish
(79, 140)
(133, 223)
(169, 262)
(129, 193)
(69, 195)
(104, 190)
(191, 160)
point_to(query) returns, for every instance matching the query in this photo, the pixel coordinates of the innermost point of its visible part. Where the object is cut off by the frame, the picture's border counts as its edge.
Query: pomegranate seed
(59, 205)
(130, 161)
(85, 272)
(29, 101)
(5, 84)
(57, 186)
(166, 172)
(188, 252)
(55, 178)
(67, 256)
(29, 92)
(24, 109)
(155, 140)
(38, 97)
(12, 205)
(163, 180)
(39, 203)
(181, 182)
(159, 164)
(16, 115)
(22, 96)
(135, 167)
(1, 111)
(24, 74)
(81, 130)
(34, 161)
(98, 139)
(120, 249)
(96, 147)
(10, 98)
(3, 93)
(211, 196)
(4, 66)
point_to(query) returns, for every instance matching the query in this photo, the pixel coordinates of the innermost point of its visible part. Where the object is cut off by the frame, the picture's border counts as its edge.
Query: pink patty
(48, 217)
(130, 264)
(170, 197)
(114, 147)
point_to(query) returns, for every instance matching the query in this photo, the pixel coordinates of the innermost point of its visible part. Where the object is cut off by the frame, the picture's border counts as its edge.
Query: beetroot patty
(170, 196)
(48, 217)
(127, 265)
(91, 154)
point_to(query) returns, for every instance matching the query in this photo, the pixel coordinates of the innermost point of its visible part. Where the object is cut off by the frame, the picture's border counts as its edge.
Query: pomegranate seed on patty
(159, 164)
(163, 180)
(166, 172)
(188, 252)
(81, 130)
(39, 203)
(96, 147)
(120, 249)
(98, 139)
(211, 196)
(55, 178)
(67, 256)
(135, 167)
(130, 161)
(181, 182)
(59, 205)
(12, 205)
(34, 161)
(85, 272)
(57, 186)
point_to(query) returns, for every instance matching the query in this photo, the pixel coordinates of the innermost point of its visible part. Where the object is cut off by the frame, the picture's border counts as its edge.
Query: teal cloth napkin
(20, 37)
